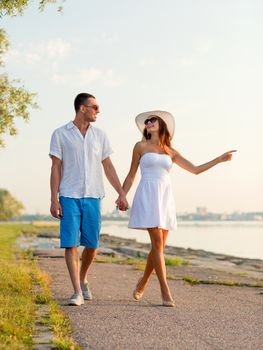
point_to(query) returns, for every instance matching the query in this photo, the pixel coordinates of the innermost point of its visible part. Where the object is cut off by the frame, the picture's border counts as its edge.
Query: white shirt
(81, 157)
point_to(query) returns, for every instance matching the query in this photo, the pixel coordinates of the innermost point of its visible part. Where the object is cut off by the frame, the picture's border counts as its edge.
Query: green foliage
(4, 44)
(17, 306)
(173, 261)
(9, 206)
(15, 100)
(23, 287)
(12, 7)
(192, 280)
(17, 7)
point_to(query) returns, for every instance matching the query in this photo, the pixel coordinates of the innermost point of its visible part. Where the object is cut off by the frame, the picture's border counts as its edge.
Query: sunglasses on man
(151, 120)
(95, 107)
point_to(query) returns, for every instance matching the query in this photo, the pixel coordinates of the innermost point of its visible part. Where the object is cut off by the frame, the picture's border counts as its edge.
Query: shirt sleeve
(55, 146)
(106, 148)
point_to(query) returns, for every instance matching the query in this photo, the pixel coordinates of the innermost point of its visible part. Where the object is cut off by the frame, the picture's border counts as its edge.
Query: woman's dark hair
(164, 135)
(80, 99)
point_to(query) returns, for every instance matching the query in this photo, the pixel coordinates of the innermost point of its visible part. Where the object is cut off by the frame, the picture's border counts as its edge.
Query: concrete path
(205, 317)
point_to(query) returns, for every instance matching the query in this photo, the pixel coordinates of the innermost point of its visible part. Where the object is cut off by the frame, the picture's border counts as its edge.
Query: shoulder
(173, 153)
(139, 147)
(98, 132)
(62, 128)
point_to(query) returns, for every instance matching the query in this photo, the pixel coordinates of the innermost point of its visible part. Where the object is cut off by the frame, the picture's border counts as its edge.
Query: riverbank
(27, 311)
(117, 247)
(215, 308)
(218, 298)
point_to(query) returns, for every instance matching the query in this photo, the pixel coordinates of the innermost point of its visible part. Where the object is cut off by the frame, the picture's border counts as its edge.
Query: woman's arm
(136, 155)
(113, 178)
(197, 169)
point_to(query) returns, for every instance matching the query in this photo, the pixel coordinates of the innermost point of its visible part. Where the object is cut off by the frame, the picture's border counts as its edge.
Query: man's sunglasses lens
(95, 107)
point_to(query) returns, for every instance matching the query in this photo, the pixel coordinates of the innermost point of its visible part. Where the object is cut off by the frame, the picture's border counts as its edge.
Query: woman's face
(151, 124)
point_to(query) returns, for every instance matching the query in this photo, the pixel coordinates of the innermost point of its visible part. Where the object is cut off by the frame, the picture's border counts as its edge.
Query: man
(77, 151)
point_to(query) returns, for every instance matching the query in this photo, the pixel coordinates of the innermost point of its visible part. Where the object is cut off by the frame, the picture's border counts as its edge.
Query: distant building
(201, 211)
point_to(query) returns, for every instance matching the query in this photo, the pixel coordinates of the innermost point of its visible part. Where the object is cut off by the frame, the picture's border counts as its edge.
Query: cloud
(49, 56)
(147, 61)
(57, 48)
(58, 79)
(49, 52)
(88, 76)
(186, 62)
(105, 77)
(203, 49)
(199, 52)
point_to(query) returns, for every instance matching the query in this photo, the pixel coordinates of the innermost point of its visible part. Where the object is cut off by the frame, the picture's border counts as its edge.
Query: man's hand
(56, 209)
(122, 203)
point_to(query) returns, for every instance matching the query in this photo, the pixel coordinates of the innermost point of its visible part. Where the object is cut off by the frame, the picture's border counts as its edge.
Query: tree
(17, 7)
(15, 100)
(9, 206)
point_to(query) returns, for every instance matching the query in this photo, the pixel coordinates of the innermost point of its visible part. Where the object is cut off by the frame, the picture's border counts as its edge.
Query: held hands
(226, 156)
(55, 209)
(121, 203)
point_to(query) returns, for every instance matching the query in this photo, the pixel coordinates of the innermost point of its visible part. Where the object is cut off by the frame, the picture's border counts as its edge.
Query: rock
(50, 234)
(107, 251)
(134, 252)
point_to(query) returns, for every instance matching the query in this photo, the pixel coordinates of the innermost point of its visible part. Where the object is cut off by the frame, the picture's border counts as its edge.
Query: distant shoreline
(30, 219)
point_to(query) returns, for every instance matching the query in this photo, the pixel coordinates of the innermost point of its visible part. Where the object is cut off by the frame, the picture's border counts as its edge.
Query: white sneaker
(86, 292)
(76, 299)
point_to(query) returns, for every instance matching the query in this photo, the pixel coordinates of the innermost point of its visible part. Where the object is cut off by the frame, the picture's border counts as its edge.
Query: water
(237, 238)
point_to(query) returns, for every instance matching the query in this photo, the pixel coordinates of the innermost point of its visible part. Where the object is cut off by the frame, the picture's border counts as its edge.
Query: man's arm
(55, 207)
(112, 176)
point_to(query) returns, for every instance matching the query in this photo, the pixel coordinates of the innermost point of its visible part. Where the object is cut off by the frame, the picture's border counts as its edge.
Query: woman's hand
(226, 156)
(121, 203)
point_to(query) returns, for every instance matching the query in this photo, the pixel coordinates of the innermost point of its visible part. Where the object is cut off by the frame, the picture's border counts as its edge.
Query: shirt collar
(71, 125)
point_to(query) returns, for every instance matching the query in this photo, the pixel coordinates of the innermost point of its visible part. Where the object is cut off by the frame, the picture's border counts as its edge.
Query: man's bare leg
(72, 261)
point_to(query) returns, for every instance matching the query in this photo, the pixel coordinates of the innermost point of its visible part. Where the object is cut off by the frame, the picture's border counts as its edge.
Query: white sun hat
(165, 116)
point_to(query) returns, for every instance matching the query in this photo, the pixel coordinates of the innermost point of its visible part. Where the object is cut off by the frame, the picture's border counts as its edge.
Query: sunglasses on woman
(151, 120)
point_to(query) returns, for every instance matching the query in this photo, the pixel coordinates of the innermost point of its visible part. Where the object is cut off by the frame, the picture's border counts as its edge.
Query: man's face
(90, 109)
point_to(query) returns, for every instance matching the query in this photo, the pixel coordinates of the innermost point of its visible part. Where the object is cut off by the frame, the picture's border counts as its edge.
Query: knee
(91, 251)
(71, 250)
(157, 245)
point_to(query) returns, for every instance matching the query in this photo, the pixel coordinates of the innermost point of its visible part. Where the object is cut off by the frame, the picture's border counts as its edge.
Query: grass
(192, 280)
(116, 260)
(171, 261)
(35, 228)
(23, 287)
(139, 263)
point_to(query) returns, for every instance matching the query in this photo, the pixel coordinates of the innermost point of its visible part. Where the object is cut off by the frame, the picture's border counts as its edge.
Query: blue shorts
(80, 223)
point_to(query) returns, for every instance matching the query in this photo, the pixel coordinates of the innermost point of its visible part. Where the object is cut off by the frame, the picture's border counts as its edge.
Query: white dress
(153, 204)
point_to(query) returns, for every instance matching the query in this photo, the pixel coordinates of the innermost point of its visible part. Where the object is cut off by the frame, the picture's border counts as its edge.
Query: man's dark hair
(80, 99)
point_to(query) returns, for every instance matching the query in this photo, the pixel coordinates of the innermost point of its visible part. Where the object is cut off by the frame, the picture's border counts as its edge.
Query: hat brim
(165, 116)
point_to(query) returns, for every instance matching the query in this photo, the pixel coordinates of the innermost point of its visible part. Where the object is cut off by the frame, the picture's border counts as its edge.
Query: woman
(153, 206)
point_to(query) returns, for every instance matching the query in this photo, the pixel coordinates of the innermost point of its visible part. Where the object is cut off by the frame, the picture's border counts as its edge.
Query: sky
(201, 60)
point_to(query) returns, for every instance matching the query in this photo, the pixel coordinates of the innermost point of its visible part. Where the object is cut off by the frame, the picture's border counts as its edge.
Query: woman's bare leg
(158, 262)
(149, 266)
